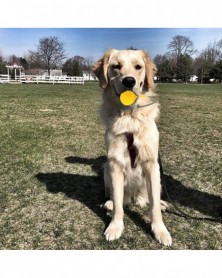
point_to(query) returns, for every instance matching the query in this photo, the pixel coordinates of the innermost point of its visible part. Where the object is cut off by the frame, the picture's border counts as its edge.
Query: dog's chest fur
(129, 138)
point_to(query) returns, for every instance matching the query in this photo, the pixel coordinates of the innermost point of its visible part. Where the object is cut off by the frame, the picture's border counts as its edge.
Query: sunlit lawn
(52, 151)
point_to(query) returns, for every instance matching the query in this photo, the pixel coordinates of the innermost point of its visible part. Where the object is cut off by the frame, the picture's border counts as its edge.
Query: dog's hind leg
(107, 181)
(108, 189)
(142, 198)
(163, 205)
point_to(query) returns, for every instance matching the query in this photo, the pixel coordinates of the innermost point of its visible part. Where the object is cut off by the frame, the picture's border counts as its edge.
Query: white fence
(4, 78)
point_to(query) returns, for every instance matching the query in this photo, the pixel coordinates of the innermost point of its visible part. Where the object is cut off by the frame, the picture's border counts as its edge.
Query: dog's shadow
(89, 190)
(202, 205)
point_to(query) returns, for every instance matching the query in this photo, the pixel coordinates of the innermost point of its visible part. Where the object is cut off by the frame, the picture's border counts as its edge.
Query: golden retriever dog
(131, 172)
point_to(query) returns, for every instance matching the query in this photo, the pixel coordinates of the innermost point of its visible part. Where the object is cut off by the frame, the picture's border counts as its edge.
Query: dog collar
(137, 106)
(129, 98)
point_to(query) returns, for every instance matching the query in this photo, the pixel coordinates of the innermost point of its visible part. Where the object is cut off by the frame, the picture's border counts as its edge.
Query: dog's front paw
(163, 205)
(114, 230)
(161, 234)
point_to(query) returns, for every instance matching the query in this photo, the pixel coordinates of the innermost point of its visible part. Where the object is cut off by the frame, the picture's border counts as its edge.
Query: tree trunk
(48, 68)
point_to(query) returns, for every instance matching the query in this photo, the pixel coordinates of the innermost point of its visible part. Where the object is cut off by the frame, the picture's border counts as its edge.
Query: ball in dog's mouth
(128, 98)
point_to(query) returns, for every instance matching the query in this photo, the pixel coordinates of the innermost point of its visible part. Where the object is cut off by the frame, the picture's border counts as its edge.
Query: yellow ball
(128, 98)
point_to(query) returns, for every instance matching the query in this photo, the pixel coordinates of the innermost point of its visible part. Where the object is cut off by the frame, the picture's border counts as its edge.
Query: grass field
(52, 151)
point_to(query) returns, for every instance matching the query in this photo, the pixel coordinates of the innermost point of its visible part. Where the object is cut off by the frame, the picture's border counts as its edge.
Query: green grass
(52, 151)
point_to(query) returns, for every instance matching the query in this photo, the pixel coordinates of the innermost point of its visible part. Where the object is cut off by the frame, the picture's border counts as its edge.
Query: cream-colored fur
(122, 182)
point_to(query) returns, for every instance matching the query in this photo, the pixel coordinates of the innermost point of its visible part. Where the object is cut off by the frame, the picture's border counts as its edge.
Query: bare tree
(219, 43)
(212, 52)
(13, 59)
(51, 51)
(89, 61)
(181, 45)
(33, 59)
(181, 49)
(159, 60)
(205, 63)
(2, 63)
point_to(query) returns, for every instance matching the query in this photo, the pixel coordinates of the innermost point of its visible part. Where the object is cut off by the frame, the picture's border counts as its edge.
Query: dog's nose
(129, 81)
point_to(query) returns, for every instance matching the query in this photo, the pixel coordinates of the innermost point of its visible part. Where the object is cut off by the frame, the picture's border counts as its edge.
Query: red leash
(131, 148)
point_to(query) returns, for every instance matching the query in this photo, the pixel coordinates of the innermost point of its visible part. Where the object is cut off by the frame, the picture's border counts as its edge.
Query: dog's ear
(100, 69)
(150, 70)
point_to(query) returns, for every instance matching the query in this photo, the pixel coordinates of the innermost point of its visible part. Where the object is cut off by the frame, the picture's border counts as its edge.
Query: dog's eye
(116, 66)
(138, 67)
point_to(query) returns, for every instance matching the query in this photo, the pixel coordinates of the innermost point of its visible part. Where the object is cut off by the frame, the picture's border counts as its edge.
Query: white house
(89, 76)
(53, 72)
(193, 78)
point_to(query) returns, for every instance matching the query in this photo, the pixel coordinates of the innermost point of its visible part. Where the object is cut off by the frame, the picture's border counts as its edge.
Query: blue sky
(94, 41)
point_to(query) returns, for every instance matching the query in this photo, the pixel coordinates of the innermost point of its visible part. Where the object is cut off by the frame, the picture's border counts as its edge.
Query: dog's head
(125, 69)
